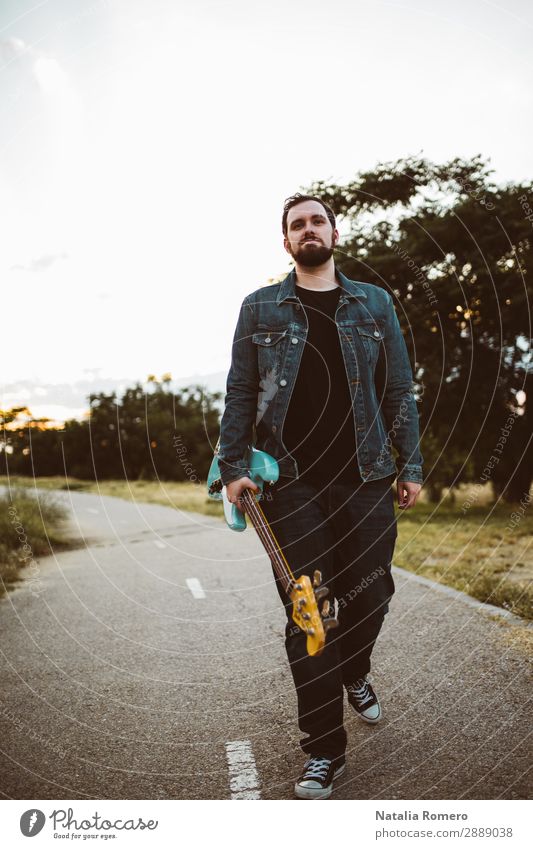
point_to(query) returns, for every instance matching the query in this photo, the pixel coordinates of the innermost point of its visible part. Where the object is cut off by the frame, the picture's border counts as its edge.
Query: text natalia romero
(413, 815)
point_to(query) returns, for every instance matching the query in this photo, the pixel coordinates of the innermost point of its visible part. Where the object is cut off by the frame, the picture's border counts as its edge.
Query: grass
(474, 550)
(477, 552)
(28, 529)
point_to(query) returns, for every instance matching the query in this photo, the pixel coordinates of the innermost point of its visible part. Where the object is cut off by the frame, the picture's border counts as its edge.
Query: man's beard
(312, 254)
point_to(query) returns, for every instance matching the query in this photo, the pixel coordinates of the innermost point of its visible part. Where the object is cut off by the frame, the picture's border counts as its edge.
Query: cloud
(45, 71)
(52, 79)
(41, 263)
(11, 48)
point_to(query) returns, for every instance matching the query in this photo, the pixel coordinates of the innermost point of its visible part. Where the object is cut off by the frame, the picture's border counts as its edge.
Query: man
(320, 379)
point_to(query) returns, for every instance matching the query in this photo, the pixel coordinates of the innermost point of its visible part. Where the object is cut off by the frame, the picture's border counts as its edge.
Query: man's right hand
(235, 488)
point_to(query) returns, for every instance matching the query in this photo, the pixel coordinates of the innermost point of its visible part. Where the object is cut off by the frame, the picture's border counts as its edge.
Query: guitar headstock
(306, 598)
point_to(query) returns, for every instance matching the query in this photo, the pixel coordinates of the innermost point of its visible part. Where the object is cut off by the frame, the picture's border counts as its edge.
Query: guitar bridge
(215, 487)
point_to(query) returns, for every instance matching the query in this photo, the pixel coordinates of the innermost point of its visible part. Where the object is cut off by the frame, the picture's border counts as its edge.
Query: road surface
(150, 664)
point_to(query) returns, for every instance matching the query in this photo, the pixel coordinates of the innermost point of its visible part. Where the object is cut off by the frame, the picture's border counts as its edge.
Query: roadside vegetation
(29, 528)
(483, 552)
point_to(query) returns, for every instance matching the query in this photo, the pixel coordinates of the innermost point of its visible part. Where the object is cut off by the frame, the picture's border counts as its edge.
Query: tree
(148, 433)
(453, 249)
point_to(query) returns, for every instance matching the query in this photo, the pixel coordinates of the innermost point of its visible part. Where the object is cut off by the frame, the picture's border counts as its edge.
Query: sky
(147, 147)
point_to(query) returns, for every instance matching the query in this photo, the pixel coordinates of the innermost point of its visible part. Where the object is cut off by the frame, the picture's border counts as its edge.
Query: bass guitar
(304, 595)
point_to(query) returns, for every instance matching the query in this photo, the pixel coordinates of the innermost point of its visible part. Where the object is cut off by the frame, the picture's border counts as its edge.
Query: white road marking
(92, 510)
(195, 587)
(244, 778)
(159, 544)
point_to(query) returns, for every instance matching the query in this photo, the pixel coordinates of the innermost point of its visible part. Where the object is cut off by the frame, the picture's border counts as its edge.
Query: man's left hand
(407, 494)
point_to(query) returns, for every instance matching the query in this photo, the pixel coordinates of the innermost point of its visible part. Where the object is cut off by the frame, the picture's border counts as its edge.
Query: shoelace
(317, 768)
(360, 691)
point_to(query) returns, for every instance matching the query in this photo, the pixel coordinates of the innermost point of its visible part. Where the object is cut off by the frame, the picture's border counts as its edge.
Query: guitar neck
(270, 543)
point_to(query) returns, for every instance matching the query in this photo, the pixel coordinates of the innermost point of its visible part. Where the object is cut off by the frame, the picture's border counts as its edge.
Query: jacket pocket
(372, 337)
(270, 346)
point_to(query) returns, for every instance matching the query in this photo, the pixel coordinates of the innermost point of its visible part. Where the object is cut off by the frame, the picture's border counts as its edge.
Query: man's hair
(298, 198)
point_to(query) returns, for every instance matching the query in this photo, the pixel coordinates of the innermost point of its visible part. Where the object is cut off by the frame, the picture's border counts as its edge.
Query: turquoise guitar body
(262, 468)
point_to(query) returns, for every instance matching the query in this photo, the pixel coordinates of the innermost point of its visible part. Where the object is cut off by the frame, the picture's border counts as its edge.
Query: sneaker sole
(323, 793)
(367, 719)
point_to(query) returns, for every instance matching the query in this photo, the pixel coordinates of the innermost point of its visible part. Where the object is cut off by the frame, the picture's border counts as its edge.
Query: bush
(27, 528)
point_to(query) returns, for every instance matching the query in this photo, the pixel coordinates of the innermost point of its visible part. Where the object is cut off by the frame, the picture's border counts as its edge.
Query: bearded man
(320, 378)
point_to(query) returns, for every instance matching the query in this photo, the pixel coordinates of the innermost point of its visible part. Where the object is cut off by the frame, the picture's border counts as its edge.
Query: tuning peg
(330, 623)
(320, 593)
(317, 578)
(326, 608)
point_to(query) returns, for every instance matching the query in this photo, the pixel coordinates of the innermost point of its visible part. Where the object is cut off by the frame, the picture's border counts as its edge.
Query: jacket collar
(350, 289)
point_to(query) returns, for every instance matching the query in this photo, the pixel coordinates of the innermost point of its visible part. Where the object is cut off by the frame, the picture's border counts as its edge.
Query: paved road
(122, 680)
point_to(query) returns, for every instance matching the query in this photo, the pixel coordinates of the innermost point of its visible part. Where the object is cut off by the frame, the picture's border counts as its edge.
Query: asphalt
(118, 683)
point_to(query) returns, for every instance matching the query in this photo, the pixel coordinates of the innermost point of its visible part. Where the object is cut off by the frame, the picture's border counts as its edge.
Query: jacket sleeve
(237, 423)
(394, 381)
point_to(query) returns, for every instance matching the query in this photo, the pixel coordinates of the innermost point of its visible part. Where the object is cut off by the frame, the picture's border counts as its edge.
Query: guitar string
(265, 533)
(264, 530)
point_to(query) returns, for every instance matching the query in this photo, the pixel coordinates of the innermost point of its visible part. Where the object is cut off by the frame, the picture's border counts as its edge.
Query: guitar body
(262, 468)
(305, 596)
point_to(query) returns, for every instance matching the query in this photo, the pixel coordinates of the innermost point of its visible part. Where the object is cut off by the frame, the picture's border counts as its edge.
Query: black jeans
(348, 532)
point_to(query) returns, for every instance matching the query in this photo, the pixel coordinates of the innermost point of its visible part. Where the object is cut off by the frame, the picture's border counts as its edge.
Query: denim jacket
(266, 353)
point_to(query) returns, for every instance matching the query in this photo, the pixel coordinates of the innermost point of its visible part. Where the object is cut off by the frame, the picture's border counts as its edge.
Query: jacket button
(376, 332)
(274, 428)
(297, 306)
(294, 340)
(268, 339)
(283, 382)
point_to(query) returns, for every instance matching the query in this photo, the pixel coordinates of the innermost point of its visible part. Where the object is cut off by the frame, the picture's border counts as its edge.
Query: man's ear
(286, 244)
(335, 236)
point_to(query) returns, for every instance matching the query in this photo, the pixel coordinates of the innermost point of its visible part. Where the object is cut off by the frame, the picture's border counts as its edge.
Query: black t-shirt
(319, 427)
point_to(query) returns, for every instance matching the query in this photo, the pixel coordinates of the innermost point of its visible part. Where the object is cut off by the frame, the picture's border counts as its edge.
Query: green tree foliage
(454, 249)
(149, 433)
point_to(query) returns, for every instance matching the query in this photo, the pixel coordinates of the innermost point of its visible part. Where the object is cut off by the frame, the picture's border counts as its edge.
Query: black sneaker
(316, 780)
(364, 700)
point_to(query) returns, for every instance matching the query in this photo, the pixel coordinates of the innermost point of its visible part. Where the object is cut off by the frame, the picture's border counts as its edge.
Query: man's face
(310, 238)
